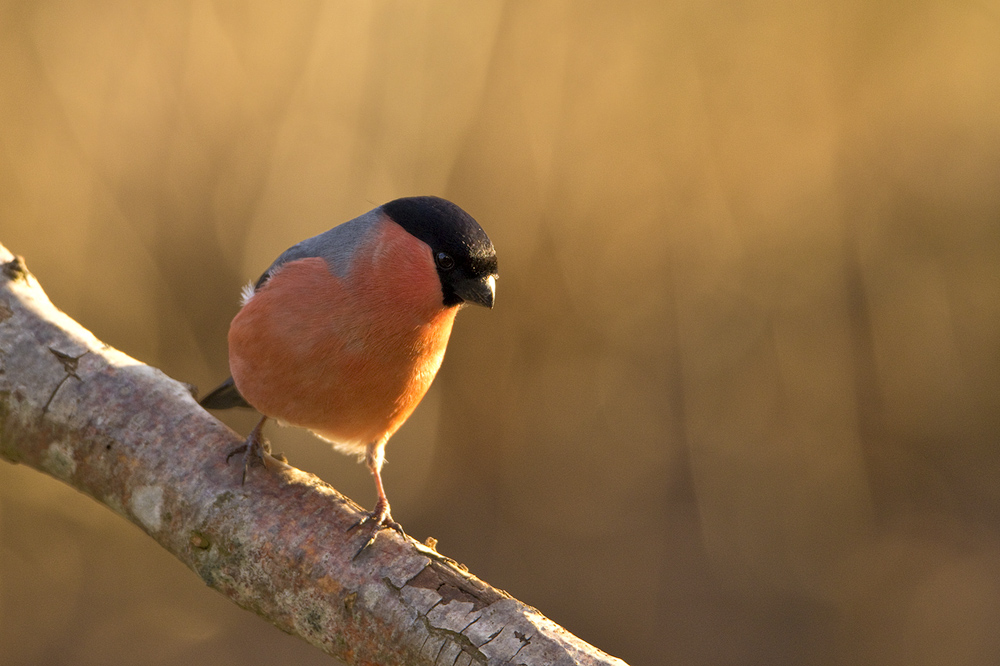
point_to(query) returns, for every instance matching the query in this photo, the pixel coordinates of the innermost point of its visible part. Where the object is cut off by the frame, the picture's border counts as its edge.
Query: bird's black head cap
(464, 255)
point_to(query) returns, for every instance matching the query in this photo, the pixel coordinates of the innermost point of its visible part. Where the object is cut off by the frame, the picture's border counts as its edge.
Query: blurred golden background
(739, 400)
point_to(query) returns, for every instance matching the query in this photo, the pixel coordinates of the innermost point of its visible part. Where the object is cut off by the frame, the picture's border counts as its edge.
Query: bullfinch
(345, 331)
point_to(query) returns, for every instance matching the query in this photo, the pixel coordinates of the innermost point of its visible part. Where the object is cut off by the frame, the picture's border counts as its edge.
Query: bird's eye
(444, 261)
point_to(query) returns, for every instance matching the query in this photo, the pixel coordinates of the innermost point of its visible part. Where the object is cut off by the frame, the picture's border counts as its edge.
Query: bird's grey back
(335, 246)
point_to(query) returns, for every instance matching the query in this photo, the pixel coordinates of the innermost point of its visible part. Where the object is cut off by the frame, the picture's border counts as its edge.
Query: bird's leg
(255, 451)
(380, 517)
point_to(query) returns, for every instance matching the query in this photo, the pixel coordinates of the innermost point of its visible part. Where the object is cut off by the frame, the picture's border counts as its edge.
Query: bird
(343, 334)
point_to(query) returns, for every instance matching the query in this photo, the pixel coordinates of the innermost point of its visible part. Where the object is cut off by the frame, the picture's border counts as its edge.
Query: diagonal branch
(136, 440)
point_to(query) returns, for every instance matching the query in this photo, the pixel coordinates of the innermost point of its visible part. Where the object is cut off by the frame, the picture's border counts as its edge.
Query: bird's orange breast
(346, 357)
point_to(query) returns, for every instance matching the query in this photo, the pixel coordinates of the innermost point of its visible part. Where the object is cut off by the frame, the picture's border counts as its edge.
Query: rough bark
(136, 440)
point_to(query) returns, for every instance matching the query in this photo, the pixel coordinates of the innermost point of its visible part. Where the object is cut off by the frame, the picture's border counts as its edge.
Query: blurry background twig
(741, 386)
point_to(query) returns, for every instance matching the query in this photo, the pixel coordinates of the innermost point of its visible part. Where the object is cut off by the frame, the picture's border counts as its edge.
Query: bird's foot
(256, 452)
(379, 519)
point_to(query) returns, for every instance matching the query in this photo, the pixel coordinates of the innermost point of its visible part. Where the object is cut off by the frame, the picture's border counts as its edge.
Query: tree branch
(136, 440)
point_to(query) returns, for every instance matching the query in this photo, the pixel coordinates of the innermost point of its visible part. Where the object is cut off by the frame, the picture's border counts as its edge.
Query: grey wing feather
(335, 246)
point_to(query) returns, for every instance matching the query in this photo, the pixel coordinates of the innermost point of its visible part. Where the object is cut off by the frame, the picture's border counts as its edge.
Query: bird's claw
(255, 451)
(380, 519)
(239, 449)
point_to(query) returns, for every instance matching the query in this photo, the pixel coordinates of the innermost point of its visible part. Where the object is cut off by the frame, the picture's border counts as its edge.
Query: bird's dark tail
(224, 397)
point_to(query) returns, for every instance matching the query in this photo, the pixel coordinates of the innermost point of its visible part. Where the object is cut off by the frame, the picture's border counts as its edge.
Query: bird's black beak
(481, 292)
